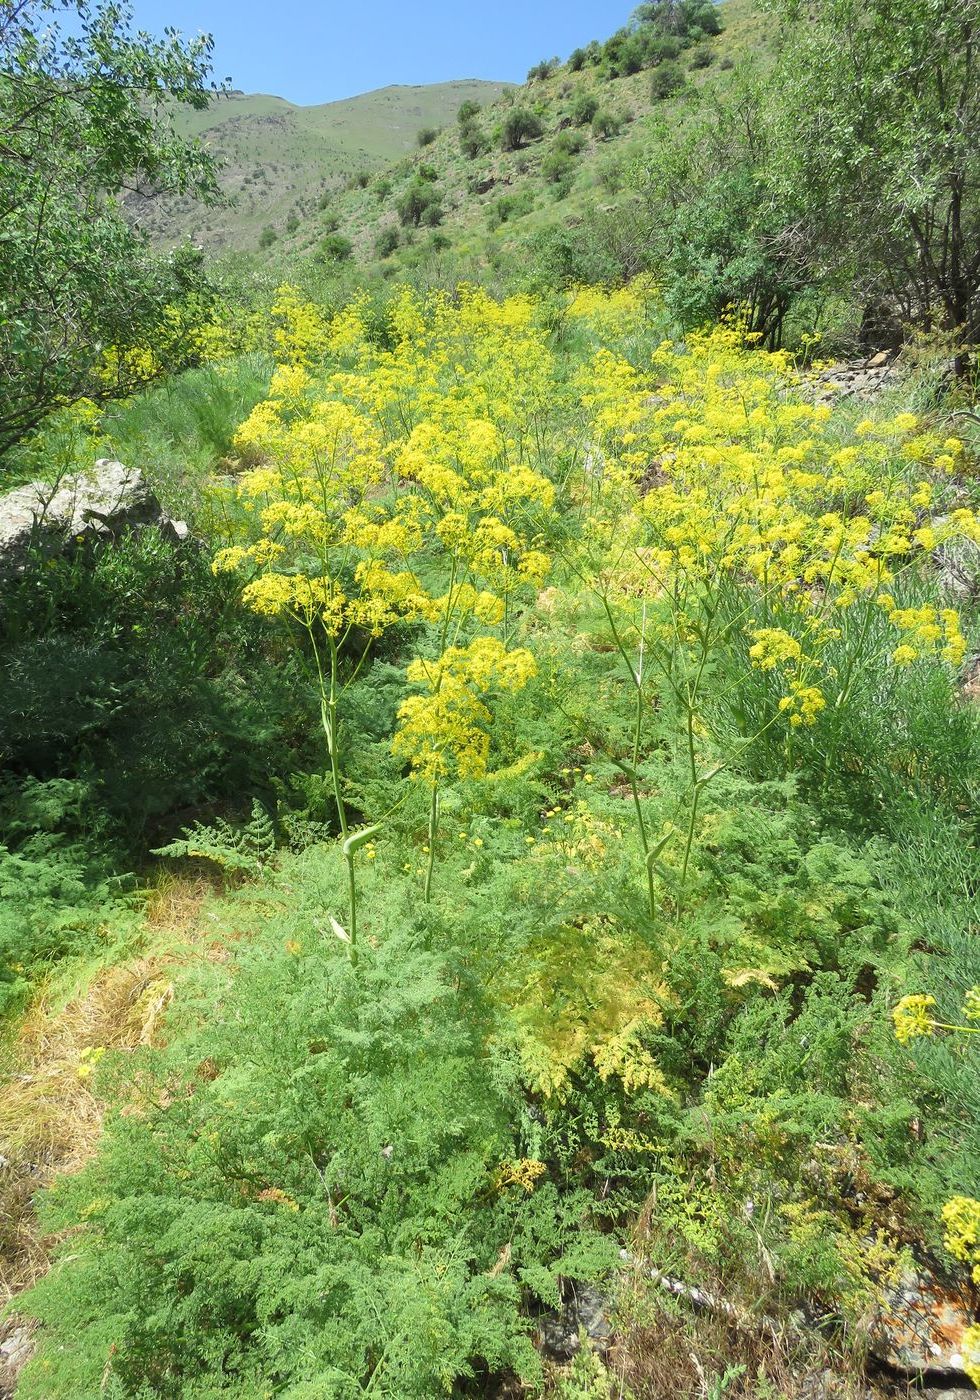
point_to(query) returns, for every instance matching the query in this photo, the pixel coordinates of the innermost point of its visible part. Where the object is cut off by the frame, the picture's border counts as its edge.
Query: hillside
(485, 200)
(303, 173)
(279, 159)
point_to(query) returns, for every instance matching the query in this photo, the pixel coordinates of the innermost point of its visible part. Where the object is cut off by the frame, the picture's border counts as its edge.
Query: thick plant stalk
(350, 848)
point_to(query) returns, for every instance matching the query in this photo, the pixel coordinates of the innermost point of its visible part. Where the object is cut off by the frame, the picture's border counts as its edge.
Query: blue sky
(320, 50)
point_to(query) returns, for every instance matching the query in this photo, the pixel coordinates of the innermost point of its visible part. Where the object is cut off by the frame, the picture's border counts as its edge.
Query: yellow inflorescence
(912, 1019)
(437, 465)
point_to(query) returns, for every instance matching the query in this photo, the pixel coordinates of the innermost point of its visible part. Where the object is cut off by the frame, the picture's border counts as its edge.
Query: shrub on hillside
(562, 257)
(335, 248)
(267, 237)
(426, 135)
(558, 166)
(387, 241)
(473, 140)
(606, 124)
(702, 57)
(571, 142)
(467, 111)
(509, 206)
(544, 69)
(625, 53)
(666, 80)
(584, 107)
(521, 126)
(417, 199)
(664, 49)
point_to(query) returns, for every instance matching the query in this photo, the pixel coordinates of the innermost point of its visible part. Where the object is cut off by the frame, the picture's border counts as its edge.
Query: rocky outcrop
(921, 1326)
(104, 503)
(860, 379)
(16, 1349)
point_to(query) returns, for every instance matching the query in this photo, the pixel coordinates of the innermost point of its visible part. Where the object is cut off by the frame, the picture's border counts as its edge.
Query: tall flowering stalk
(722, 521)
(444, 731)
(310, 558)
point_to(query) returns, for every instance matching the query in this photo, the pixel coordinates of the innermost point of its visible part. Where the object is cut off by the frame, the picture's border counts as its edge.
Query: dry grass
(176, 900)
(668, 1347)
(50, 1118)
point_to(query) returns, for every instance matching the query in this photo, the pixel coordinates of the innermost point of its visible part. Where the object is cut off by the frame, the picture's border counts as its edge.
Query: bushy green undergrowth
(337, 1172)
(657, 839)
(133, 689)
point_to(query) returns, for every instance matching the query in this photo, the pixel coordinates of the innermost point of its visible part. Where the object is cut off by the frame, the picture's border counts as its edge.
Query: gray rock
(920, 1327)
(858, 379)
(958, 569)
(104, 503)
(16, 1349)
(559, 1335)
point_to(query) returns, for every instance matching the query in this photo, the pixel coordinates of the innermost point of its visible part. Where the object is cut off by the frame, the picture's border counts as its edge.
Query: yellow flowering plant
(721, 519)
(913, 1018)
(444, 730)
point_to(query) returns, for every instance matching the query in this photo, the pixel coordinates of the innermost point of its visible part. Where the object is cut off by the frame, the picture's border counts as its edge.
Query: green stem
(433, 830)
(332, 744)
(352, 891)
(328, 718)
(692, 822)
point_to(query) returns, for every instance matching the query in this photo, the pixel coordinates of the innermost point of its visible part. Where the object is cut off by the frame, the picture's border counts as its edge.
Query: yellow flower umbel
(445, 730)
(911, 1018)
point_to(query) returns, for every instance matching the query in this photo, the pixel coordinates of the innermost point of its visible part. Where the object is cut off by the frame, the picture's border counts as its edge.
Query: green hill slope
(486, 200)
(280, 160)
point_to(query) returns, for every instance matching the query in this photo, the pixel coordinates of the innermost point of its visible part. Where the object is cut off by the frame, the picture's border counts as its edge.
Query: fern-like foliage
(245, 849)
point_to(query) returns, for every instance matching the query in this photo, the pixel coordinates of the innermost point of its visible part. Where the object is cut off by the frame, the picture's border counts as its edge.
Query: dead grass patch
(50, 1118)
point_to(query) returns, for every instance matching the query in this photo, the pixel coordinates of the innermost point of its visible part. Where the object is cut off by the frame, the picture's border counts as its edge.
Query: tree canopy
(86, 114)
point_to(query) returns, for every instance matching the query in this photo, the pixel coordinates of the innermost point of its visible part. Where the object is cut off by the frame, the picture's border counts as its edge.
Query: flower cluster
(445, 730)
(715, 493)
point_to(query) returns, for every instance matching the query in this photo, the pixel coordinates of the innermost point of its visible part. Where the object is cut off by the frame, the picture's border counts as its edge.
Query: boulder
(16, 1349)
(921, 1325)
(558, 1335)
(106, 502)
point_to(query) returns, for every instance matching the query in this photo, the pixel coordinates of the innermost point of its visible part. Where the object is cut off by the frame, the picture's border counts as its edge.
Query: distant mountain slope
(280, 159)
(479, 200)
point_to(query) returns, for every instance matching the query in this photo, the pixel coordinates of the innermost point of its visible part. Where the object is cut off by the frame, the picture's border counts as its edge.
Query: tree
(418, 199)
(879, 141)
(520, 127)
(86, 116)
(717, 234)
